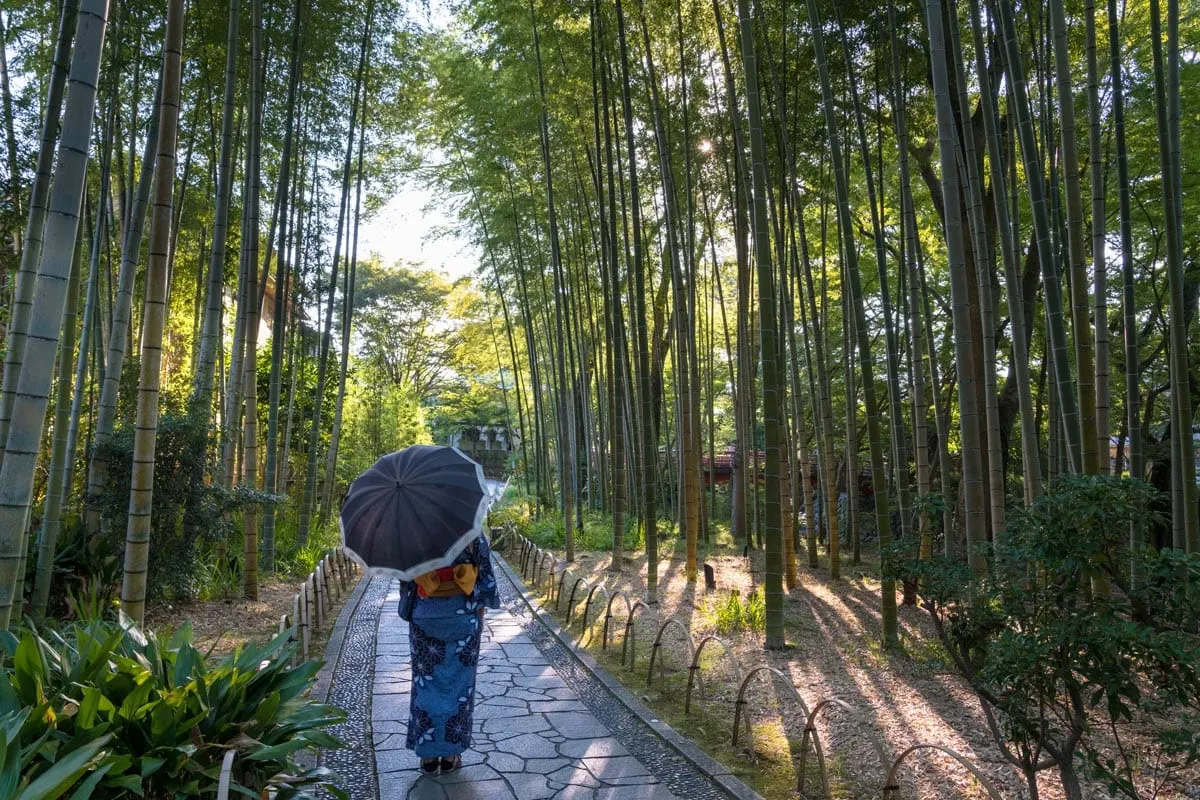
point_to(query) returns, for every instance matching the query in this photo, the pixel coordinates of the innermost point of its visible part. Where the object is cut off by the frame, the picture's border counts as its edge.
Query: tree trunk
(828, 453)
(1035, 182)
(279, 319)
(31, 249)
(249, 376)
(1083, 336)
(972, 462)
(1166, 91)
(898, 435)
(882, 516)
(49, 293)
(983, 264)
(617, 313)
(87, 329)
(1099, 221)
(141, 493)
(917, 337)
(745, 447)
(566, 404)
(52, 515)
(122, 319)
(768, 316)
(1030, 461)
(335, 434)
(1129, 306)
(10, 138)
(310, 473)
(649, 435)
(210, 341)
(684, 330)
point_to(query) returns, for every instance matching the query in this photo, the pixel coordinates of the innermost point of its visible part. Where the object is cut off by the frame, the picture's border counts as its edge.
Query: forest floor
(223, 624)
(910, 697)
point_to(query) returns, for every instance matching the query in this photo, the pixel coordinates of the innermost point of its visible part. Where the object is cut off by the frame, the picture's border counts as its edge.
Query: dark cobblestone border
(350, 686)
(680, 765)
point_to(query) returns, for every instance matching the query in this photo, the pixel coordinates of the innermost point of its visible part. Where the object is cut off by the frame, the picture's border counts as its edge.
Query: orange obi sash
(448, 581)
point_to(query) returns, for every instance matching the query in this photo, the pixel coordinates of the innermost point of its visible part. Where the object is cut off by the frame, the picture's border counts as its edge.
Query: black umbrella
(415, 510)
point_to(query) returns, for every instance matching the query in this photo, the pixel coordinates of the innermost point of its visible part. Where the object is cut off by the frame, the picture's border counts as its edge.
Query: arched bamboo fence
(890, 768)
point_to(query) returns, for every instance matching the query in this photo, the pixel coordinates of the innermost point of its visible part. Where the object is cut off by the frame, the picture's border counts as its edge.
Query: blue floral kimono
(444, 635)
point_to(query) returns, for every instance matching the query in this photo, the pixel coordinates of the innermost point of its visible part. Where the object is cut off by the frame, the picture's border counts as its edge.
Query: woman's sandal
(451, 764)
(430, 766)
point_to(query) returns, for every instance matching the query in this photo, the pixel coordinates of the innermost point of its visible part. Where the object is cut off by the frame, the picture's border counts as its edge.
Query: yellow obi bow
(448, 581)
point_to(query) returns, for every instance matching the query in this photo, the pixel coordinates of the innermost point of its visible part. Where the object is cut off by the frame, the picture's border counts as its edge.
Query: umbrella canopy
(415, 510)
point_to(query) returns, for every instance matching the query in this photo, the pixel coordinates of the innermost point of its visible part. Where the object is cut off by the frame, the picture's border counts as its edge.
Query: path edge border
(323, 683)
(701, 760)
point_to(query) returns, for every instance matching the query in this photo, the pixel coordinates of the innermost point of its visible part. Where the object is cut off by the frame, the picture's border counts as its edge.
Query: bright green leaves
(140, 719)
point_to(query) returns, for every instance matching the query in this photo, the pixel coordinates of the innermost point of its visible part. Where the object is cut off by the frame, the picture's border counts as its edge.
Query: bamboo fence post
(305, 619)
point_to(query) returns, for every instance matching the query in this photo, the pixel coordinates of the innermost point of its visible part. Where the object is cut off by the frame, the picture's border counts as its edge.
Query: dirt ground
(908, 698)
(225, 624)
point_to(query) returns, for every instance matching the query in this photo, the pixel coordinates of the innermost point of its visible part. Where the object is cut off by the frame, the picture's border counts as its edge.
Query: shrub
(87, 573)
(513, 509)
(1050, 650)
(153, 721)
(189, 516)
(547, 530)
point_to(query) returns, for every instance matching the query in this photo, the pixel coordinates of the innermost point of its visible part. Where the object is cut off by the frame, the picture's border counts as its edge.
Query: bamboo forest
(833, 367)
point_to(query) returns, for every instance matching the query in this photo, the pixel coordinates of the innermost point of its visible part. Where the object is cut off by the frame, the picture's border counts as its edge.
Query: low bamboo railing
(529, 561)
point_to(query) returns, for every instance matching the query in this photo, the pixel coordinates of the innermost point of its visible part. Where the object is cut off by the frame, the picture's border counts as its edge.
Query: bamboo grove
(180, 178)
(843, 247)
(843, 243)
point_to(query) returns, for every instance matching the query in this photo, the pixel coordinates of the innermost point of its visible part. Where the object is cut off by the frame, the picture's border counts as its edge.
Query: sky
(415, 227)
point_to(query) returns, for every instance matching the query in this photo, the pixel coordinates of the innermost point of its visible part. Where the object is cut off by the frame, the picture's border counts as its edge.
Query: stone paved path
(534, 738)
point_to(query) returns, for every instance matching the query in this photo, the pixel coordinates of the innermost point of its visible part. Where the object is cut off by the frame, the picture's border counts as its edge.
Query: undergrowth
(547, 530)
(767, 767)
(297, 562)
(735, 614)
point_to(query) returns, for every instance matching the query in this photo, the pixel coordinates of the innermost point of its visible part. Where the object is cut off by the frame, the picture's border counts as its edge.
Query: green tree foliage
(402, 320)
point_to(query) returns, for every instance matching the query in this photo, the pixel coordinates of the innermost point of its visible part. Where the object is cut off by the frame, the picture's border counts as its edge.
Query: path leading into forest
(545, 726)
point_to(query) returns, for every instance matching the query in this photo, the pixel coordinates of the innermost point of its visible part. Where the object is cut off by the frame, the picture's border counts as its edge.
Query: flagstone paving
(546, 726)
(534, 738)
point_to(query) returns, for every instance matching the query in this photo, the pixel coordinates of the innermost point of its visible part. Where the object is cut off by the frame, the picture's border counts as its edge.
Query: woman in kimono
(444, 609)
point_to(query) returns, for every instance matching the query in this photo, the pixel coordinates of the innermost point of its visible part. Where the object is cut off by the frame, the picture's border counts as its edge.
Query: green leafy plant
(547, 530)
(154, 721)
(298, 562)
(734, 615)
(17, 755)
(87, 573)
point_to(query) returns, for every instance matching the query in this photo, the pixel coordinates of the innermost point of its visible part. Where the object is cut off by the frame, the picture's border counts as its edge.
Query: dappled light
(826, 374)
